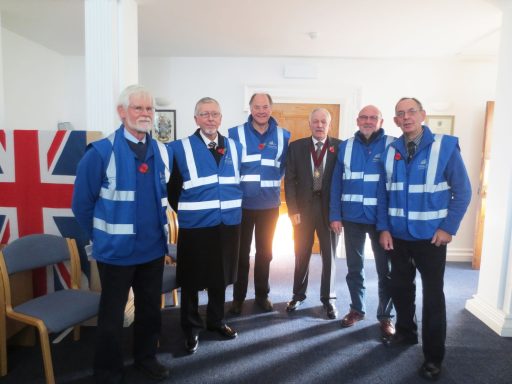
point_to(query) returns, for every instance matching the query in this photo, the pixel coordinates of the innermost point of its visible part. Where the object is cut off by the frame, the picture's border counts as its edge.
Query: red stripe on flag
(2, 139)
(57, 141)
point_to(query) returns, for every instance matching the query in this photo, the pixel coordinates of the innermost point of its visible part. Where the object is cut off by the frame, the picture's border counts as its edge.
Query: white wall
(446, 87)
(41, 87)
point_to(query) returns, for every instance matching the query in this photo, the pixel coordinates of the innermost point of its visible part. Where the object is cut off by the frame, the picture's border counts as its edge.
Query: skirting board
(494, 318)
(460, 255)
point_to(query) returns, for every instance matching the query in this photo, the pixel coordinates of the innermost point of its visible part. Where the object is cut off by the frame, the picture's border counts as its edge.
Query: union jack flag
(37, 173)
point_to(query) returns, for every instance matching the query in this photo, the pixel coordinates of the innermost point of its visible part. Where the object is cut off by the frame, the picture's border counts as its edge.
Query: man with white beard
(120, 200)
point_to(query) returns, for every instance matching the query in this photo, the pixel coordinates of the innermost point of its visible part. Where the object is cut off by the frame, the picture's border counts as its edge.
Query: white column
(111, 58)
(493, 301)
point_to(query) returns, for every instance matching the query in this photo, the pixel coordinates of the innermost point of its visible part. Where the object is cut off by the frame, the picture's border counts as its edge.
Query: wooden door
(482, 187)
(295, 118)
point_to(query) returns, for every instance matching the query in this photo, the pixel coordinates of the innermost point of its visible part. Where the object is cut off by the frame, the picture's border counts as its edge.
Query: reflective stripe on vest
(112, 229)
(111, 193)
(416, 215)
(194, 181)
(429, 186)
(257, 157)
(359, 199)
(165, 158)
(210, 204)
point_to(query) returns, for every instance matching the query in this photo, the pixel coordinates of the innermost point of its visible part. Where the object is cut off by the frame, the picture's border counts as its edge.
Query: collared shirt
(325, 155)
(207, 140)
(128, 136)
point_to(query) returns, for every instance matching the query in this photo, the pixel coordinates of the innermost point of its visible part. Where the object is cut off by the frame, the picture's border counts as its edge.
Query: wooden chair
(169, 278)
(54, 312)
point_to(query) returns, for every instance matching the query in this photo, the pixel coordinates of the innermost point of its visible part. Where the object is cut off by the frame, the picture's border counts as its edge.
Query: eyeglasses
(365, 117)
(411, 112)
(139, 109)
(213, 115)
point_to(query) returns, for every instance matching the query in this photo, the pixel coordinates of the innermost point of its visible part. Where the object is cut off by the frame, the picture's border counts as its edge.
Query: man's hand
(337, 227)
(441, 238)
(386, 241)
(295, 219)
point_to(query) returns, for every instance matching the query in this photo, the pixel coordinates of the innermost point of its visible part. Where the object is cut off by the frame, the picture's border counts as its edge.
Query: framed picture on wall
(164, 128)
(441, 123)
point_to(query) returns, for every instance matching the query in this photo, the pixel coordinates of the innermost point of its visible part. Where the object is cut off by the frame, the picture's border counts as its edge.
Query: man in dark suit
(307, 185)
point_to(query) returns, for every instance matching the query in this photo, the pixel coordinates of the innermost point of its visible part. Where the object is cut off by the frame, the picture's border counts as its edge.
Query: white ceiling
(344, 28)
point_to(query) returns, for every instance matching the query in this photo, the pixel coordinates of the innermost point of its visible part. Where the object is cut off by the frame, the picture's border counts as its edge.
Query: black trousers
(312, 220)
(263, 224)
(146, 281)
(430, 261)
(191, 321)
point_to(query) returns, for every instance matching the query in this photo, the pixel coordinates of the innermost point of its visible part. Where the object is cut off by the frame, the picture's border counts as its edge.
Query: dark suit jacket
(298, 179)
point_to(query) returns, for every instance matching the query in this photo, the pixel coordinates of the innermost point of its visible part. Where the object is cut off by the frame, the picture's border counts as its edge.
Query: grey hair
(327, 113)
(418, 103)
(265, 94)
(205, 100)
(129, 91)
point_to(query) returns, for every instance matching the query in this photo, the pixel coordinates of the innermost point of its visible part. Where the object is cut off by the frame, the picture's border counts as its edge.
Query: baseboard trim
(462, 255)
(493, 317)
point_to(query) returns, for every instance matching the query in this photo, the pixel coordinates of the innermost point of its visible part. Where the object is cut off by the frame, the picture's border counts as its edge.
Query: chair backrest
(34, 251)
(172, 218)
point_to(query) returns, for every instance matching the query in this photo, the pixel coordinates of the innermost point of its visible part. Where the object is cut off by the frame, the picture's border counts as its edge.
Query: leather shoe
(387, 329)
(225, 331)
(351, 318)
(399, 339)
(430, 371)
(331, 311)
(265, 304)
(152, 368)
(293, 305)
(191, 344)
(236, 307)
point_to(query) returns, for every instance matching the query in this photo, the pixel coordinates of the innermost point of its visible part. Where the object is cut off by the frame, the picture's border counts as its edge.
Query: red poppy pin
(261, 146)
(331, 149)
(221, 150)
(397, 156)
(143, 168)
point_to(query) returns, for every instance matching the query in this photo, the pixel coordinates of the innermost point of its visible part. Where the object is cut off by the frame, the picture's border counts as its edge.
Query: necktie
(411, 149)
(211, 145)
(141, 151)
(318, 172)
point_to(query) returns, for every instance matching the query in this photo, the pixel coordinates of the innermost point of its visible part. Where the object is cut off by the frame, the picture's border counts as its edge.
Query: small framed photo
(164, 128)
(441, 123)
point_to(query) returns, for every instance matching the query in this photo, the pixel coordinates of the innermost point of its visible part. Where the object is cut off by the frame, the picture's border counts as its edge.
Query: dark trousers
(430, 261)
(263, 224)
(303, 236)
(146, 281)
(191, 322)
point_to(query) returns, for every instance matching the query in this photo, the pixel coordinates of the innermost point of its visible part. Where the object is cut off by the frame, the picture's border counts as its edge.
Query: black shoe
(331, 311)
(191, 344)
(265, 304)
(236, 307)
(399, 339)
(293, 305)
(225, 331)
(430, 371)
(152, 368)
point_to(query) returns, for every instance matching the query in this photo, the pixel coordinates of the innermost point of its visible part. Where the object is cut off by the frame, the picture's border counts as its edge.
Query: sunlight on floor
(282, 246)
